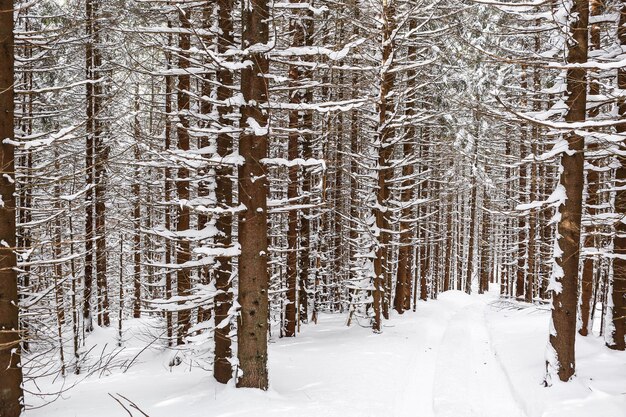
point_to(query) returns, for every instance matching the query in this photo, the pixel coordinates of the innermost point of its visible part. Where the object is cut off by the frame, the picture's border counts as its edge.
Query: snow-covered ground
(458, 356)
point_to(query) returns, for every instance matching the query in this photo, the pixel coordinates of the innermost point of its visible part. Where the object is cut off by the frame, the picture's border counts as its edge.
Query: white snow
(518, 333)
(458, 356)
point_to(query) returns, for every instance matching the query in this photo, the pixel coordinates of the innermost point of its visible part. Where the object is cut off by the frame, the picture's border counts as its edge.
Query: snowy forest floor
(458, 356)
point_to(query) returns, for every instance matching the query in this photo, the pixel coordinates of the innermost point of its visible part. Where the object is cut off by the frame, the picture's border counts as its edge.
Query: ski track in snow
(439, 361)
(469, 381)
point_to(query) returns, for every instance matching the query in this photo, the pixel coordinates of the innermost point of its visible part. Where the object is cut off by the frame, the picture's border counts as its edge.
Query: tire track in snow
(469, 381)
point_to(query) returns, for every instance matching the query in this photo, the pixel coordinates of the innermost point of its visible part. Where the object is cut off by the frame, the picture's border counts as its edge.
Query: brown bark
(298, 29)
(522, 248)
(222, 369)
(205, 275)
(592, 190)
(101, 253)
(483, 281)
(546, 233)
(10, 370)
(120, 305)
(58, 254)
(617, 341)
(533, 250)
(506, 277)
(58, 267)
(436, 247)
(137, 219)
(472, 233)
(473, 210)
(447, 279)
(253, 191)
(307, 153)
(354, 147)
(405, 260)
(89, 169)
(385, 149)
(405, 256)
(423, 233)
(100, 160)
(338, 194)
(25, 185)
(565, 298)
(460, 235)
(167, 183)
(534, 244)
(74, 305)
(183, 254)
(305, 222)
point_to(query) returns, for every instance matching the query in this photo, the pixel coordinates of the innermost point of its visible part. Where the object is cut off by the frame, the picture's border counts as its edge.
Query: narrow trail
(468, 380)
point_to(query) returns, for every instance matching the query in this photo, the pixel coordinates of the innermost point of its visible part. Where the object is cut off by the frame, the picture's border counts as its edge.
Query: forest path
(469, 381)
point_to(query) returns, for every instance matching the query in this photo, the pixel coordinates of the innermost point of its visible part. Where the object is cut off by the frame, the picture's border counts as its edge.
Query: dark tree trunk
(167, 184)
(99, 171)
(137, 219)
(354, 147)
(206, 82)
(592, 190)
(253, 190)
(297, 27)
(424, 236)
(307, 153)
(10, 370)
(25, 186)
(472, 236)
(183, 254)
(89, 169)
(473, 210)
(447, 278)
(565, 295)
(168, 225)
(405, 258)
(616, 340)
(385, 149)
(222, 369)
(483, 281)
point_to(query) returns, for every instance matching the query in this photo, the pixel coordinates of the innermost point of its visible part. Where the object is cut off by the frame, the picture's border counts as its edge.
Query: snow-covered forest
(313, 208)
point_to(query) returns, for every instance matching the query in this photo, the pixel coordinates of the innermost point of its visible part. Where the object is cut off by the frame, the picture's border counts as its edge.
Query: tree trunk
(483, 282)
(385, 137)
(99, 170)
(405, 259)
(593, 200)
(532, 229)
(57, 254)
(473, 210)
(167, 183)
(354, 147)
(561, 359)
(206, 178)
(253, 191)
(338, 267)
(137, 219)
(10, 370)
(25, 185)
(423, 232)
(447, 278)
(522, 246)
(297, 27)
(89, 168)
(74, 306)
(183, 254)
(616, 340)
(222, 369)
(307, 153)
